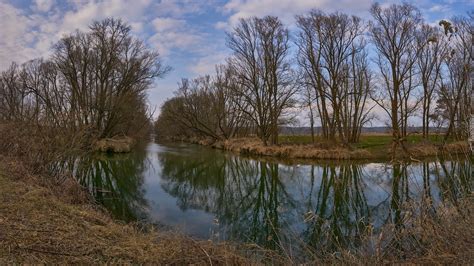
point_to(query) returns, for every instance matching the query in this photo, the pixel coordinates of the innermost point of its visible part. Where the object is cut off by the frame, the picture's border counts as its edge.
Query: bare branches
(260, 62)
(95, 80)
(393, 33)
(206, 107)
(329, 56)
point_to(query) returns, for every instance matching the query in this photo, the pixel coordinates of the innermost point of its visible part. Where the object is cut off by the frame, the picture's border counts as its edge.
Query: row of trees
(94, 82)
(417, 69)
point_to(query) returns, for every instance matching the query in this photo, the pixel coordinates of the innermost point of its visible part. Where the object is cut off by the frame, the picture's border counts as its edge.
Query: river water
(211, 194)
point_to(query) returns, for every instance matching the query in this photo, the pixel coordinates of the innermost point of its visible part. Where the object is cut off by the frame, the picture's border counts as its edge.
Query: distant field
(367, 141)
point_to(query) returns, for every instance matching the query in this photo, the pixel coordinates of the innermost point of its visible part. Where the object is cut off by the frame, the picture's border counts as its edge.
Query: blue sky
(190, 34)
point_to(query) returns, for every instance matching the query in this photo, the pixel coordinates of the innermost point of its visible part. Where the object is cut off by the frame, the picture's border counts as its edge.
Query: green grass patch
(369, 141)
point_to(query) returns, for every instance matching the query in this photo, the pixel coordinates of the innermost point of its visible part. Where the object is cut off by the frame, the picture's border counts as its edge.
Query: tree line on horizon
(338, 67)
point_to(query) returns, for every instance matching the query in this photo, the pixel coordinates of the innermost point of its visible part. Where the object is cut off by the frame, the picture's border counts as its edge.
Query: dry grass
(256, 147)
(430, 149)
(444, 237)
(38, 227)
(119, 145)
(46, 219)
(37, 147)
(325, 151)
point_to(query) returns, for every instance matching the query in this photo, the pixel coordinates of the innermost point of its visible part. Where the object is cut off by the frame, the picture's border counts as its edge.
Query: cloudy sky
(189, 34)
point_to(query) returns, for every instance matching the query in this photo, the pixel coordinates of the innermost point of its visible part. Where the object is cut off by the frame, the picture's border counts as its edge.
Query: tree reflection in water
(324, 207)
(115, 181)
(244, 195)
(338, 213)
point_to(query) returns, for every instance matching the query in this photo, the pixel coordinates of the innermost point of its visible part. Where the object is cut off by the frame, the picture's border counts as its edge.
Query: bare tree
(456, 90)
(12, 96)
(206, 107)
(330, 55)
(233, 120)
(260, 61)
(95, 81)
(429, 62)
(356, 111)
(393, 33)
(103, 70)
(308, 100)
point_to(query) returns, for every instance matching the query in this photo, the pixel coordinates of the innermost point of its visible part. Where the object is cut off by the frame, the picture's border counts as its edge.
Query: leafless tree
(96, 81)
(330, 55)
(308, 102)
(206, 107)
(456, 90)
(103, 70)
(393, 33)
(431, 49)
(260, 61)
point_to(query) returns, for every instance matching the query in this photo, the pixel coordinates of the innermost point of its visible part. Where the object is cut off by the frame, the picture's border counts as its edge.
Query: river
(217, 195)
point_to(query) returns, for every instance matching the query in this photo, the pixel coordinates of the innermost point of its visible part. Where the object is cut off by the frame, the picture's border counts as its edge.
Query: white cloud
(85, 13)
(206, 65)
(27, 34)
(174, 34)
(15, 36)
(221, 25)
(44, 5)
(287, 9)
(166, 24)
(137, 26)
(179, 8)
(439, 8)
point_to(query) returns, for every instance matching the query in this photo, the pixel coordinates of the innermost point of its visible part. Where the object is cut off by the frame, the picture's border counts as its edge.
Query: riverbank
(40, 224)
(56, 222)
(379, 148)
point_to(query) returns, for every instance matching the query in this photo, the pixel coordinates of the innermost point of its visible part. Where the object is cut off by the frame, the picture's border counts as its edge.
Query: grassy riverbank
(45, 222)
(370, 147)
(40, 224)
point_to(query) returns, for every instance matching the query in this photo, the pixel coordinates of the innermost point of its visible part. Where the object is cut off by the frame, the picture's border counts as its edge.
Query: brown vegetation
(424, 238)
(328, 151)
(37, 226)
(254, 146)
(333, 59)
(93, 86)
(117, 144)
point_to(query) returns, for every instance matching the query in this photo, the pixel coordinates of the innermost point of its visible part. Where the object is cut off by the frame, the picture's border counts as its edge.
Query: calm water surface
(217, 195)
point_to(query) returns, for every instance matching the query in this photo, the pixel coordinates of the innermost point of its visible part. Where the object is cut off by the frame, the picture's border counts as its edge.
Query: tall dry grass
(333, 151)
(445, 236)
(35, 154)
(253, 146)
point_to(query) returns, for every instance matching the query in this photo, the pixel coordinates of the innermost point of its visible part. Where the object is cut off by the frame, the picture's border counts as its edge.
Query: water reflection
(116, 182)
(339, 212)
(247, 197)
(213, 194)
(329, 206)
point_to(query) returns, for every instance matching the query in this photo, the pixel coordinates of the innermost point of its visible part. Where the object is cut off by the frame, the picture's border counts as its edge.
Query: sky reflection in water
(213, 194)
